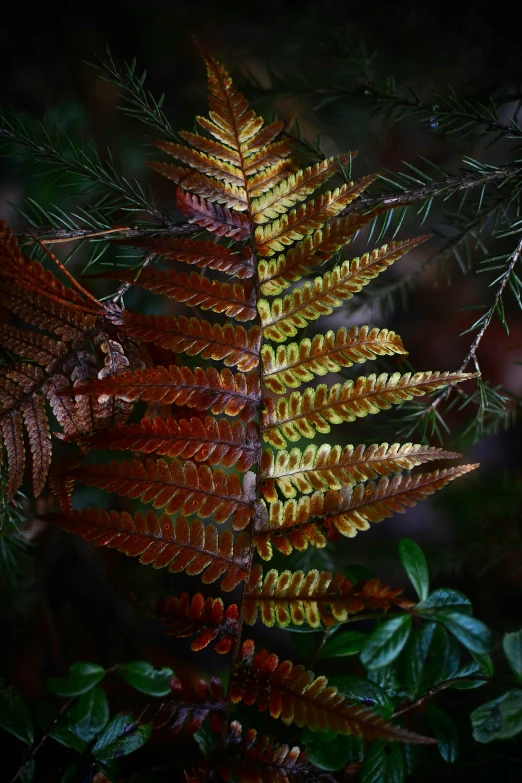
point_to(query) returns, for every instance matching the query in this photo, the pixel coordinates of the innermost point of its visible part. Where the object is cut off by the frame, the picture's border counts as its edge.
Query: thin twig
(46, 733)
(436, 689)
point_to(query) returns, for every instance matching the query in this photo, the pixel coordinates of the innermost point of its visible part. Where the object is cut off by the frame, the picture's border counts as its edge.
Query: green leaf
(485, 662)
(512, 644)
(15, 715)
(145, 678)
(90, 714)
(71, 774)
(445, 732)
(469, 669)
(443, 658)
(415, 565)
(364, 691)
(330, 755)
(470, 632)
(414, 658)
(344, 644)
(120, 737)
(81, 678)
(386, 641)
(446, 598)
(384, 763)
(498, 719)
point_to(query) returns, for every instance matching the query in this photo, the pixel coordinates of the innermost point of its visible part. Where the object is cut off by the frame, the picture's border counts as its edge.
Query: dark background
(73, 604)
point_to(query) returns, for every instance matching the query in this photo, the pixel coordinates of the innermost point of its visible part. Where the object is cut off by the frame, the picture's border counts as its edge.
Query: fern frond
(293, 364)
(318, 599)
(218, 442)
(333, 467)
(177, 486)
(219, 392)
(197, 252)
(299, 524)
(295, 188)
(180, 546)
(233, 345)
(285, 316)
(302, 415)
(13, 437)
(31, 345)
(234, 299)
(210, 189)
(269, 177)
(205, 618)
(295, 695)
(211, 147)
(39, 435)
(275, 236)
(276, 274)
(205, 164)
(189, 706)
(257, 759)
(221, 221)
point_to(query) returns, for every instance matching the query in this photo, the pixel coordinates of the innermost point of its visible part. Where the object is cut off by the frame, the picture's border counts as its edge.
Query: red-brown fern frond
(234, 299)
(221, 221)
(304, 415)
(196, 252)
(189, 706)
(298, 524)
(180, 546)
(220, 392)
(205, 618)
(295, 695)
(218, 442)
(176, 486)
(333, 467)
(293, 364)
(233, 345)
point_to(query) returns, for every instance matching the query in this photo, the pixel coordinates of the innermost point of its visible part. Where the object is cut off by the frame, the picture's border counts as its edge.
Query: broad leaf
(470, 632)
(145, 678)
(81, 678)
(383, 764)
(386, 641)
(512, 645)
(445, 732)
(15, 715)
(344, 644)
(120, 737)
(498, 719)
(414, 563)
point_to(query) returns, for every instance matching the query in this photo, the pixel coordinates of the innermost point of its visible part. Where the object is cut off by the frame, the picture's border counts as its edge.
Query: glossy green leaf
(344, 644)
(414, 658)
(110, 768)
(357, 573)
(445, 732)
(364, 691)
(386, 641)
(120, 737)
(383, 763)
(15, 715)
(90, 714)
(469, 631)
(145, 678)
(446, 598)
(498, 719)
(81, 678)
(329, 755)
(415, 565)
(443, 659)
(472, 670)
(512, 645)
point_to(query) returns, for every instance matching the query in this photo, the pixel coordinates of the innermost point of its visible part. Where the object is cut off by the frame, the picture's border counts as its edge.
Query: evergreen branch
(141, 103)
(57, 151)
(48, 235)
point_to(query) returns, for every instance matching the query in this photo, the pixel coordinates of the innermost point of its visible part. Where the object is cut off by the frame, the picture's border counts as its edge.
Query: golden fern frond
(233, 345)
(180, 546)
(299, 524)
(268, 177)
(197, 252)
(293, 364)
(285, 316)
(295, 188)
(220, 392)
(303, 415)
(333, 467)
(210, 146)
(205, 164)
(276, 274)
(275, 236)
(218, 442)
(176, 486)
(317, 598)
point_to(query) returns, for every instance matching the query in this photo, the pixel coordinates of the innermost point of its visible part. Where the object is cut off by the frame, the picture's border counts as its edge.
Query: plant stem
(46, 733)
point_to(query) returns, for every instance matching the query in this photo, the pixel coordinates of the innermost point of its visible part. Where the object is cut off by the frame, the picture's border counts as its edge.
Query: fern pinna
(227, 485)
